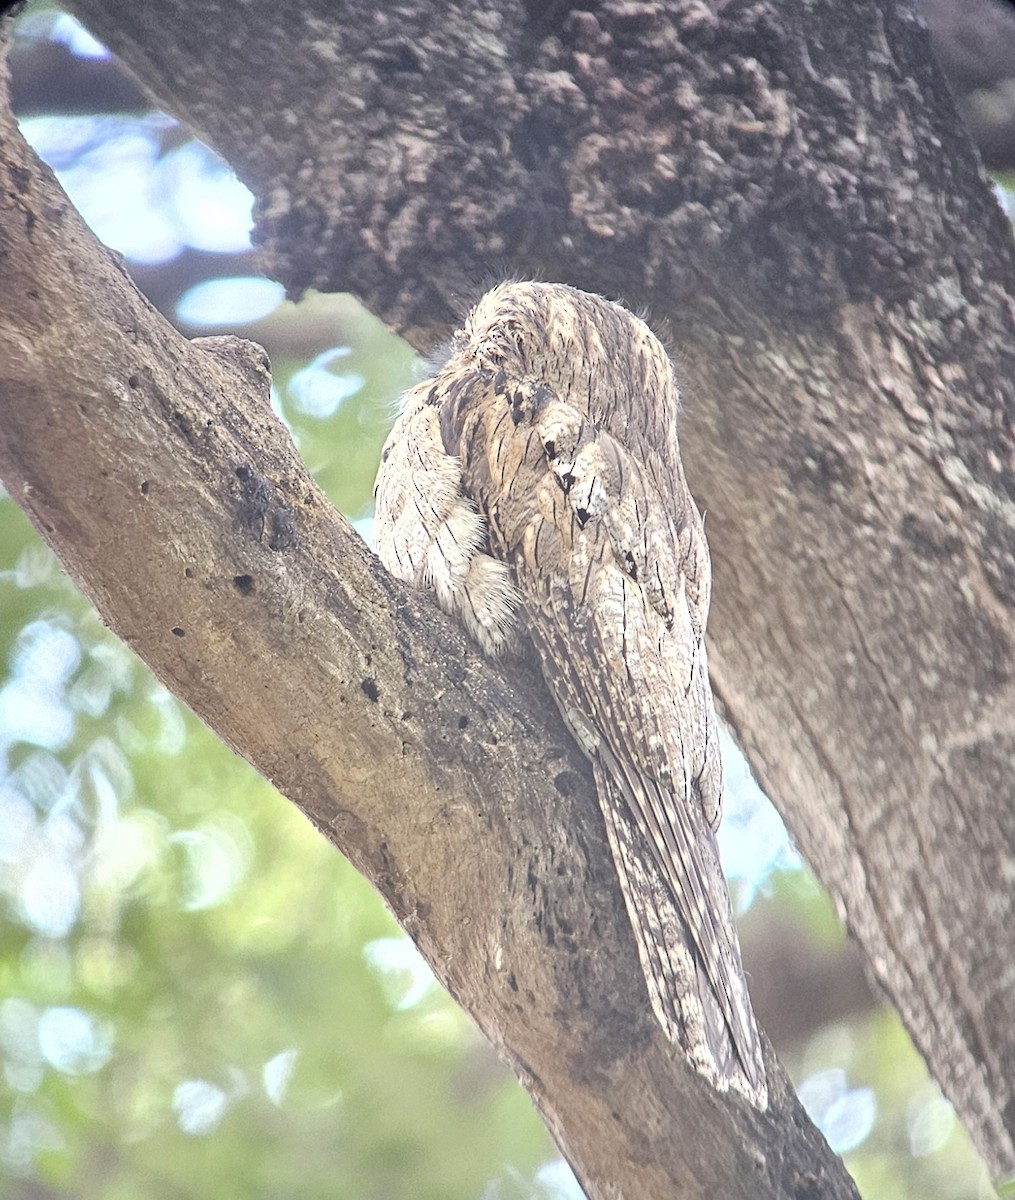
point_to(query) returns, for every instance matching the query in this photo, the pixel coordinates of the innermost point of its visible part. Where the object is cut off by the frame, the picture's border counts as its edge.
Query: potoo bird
(534, 484)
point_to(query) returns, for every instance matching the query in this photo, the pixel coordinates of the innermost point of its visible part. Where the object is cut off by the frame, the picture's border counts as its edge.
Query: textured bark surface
(787, 187)
(157, 470)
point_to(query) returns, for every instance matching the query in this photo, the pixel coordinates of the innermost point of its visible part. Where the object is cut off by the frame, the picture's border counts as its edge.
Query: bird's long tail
(679, 908)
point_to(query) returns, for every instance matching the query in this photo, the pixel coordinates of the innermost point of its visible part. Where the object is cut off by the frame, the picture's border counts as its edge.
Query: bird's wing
(601, 561)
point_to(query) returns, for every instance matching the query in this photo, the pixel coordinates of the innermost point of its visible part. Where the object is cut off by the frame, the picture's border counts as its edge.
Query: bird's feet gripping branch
(534, 484)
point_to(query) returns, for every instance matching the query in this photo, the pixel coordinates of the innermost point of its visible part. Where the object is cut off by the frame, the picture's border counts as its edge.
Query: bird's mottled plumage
(535, 485)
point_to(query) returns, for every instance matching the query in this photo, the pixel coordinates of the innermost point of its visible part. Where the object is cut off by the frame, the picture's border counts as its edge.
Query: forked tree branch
(175, 499)
(785, 183)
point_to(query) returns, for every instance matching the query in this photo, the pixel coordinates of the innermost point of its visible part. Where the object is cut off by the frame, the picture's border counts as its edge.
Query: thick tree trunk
(787, 187)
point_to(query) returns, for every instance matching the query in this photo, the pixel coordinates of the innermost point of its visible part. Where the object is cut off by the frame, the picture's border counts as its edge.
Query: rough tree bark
(157, 470)
(787, 187)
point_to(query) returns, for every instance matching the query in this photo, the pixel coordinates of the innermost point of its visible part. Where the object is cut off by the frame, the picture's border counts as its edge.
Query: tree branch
(177, 501)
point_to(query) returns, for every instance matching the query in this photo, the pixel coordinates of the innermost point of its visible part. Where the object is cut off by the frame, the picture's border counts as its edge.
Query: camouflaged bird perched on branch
(535, 485)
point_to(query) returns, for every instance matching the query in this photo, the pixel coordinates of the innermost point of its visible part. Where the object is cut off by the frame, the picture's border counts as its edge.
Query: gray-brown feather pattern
(558, 412)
